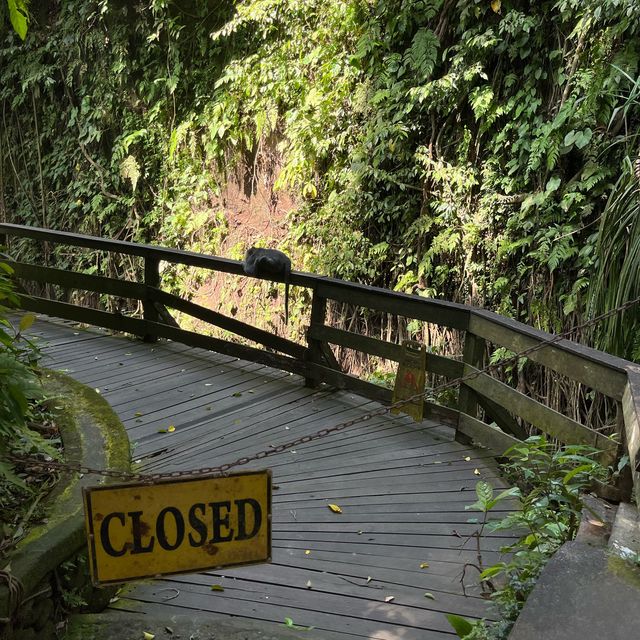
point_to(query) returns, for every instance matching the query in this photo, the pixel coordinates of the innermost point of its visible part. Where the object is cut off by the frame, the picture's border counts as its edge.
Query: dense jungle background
(482, 151)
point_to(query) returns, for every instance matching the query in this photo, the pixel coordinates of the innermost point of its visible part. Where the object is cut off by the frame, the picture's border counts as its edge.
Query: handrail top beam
(463, 314)
(538, 335)
(216, 263)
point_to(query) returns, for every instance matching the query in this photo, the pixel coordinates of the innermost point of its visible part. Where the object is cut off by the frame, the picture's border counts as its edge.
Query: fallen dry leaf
(595, 523)
(335, 508)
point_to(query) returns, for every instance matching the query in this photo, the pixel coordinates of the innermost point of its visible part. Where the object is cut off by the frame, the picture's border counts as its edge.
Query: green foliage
(443, 149)
(19, 385)
(617, 265)
(461, 626)
(548, 482)
(19, 16)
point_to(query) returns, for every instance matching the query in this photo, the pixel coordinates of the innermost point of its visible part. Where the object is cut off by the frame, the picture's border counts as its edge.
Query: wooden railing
(613, 377)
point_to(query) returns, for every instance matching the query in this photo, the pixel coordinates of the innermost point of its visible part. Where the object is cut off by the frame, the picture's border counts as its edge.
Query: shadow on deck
(403, 533)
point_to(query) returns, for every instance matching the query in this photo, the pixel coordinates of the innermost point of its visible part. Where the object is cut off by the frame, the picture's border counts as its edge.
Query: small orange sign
(410, 379)
(143, 530)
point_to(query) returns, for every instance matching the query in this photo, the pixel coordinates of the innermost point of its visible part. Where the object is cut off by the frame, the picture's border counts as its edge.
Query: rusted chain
(223, 469)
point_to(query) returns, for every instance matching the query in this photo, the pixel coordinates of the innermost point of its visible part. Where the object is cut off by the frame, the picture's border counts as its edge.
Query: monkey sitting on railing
(269, 262)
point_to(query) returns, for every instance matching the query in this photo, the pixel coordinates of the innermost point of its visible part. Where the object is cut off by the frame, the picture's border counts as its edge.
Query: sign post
(142, 530)
(410, 379)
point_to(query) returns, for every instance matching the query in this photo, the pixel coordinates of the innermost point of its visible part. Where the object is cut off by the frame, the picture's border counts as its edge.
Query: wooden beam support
(140, 328)
(596, 369)
(315, 352)
(631, 412)
(448, 314)
(439, 365)
(502, 417)
(493, 439)
(232, 325)
(151, 281)
(539, 415)
(82, 281)
(473, 354)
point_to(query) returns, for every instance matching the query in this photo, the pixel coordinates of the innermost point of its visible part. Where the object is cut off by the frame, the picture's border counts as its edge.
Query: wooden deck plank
(402, 487)
(357, 576)
(332, 613)
(314, 417)
(135, 355)
(322, 583)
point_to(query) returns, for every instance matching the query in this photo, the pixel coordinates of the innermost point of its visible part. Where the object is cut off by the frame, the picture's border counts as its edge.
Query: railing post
(151, 279)
(473, 354)
(314, 348)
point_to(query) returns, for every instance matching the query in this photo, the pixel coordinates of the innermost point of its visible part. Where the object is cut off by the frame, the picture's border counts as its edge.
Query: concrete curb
(132, 626)
(591, 587)
(93, 436)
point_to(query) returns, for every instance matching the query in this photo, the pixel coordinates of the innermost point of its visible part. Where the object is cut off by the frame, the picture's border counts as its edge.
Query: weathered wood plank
(177, 256)
(631, 412)
(145, 327)
(229, 324)
(473, 354)
(597, 370)
(398, 570)
(281, 576)
(323, 617)
(436, 364)
(83, 281)
(373, 391)
(442, 313)
(421, 485)
(494, 439)
(452, 553)
(502, 417)
(372, 542)
(542, 417)
(380, 490)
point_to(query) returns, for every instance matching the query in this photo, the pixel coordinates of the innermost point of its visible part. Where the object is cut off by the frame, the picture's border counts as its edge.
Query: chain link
(223, 469)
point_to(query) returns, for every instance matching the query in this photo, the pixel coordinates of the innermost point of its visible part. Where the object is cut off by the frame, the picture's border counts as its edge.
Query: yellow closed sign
(146, 530)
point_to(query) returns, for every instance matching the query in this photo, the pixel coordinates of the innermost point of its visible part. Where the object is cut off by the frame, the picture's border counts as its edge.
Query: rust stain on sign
(146, 530)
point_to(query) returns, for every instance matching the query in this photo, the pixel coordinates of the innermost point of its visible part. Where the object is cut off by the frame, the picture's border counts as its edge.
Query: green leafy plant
(19, 16)
(548, 483)
(444, 149)
(20, 387)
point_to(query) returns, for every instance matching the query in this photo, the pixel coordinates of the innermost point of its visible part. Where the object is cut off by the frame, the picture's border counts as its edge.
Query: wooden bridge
(391, 564)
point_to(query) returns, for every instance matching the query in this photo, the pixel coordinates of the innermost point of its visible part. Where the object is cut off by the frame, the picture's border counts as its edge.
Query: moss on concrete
(626, 571)
(93, 436)
(132, 626)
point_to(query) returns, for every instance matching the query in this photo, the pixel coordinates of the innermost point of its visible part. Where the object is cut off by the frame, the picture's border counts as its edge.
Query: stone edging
(93, 436)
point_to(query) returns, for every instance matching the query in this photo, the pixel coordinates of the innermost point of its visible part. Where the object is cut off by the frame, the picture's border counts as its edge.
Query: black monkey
(269, 262)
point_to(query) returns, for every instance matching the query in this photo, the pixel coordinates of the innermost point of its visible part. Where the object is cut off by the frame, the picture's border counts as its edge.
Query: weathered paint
(144, 530)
